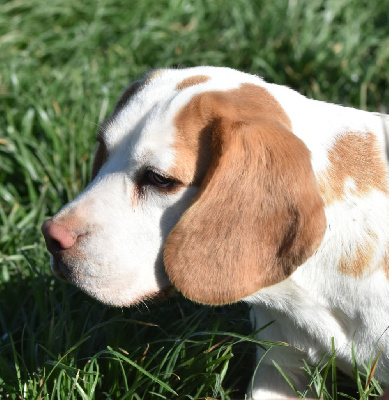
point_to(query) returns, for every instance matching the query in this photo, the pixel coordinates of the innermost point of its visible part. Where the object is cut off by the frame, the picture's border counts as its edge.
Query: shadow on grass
(57, 339)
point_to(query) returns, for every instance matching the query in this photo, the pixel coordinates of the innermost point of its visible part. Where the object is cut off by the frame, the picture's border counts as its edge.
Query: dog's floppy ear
(257, 217)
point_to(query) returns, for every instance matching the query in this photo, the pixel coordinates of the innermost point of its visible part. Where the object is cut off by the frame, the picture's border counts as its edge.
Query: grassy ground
(62, 65)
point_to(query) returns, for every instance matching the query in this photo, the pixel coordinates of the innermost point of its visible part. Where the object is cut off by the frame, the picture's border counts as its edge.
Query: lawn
(62, 66)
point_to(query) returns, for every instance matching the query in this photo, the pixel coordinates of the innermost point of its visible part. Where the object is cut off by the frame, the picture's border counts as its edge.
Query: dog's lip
(64, 272)
(164, 293)
(60, 270)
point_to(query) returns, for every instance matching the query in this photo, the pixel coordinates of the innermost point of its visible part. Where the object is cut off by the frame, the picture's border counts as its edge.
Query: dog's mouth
(60, 269)
(66, 273)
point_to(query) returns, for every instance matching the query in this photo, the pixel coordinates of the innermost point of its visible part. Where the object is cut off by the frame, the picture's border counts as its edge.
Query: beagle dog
(233, 189)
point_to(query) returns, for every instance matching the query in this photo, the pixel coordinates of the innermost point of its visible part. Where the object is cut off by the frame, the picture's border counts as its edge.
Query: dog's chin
(118, 298)
(114, 297)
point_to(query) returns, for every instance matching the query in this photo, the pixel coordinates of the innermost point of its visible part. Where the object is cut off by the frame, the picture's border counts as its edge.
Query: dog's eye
(158, 180)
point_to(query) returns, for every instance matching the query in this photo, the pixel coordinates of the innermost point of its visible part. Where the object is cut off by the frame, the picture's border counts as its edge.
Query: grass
(63, 64)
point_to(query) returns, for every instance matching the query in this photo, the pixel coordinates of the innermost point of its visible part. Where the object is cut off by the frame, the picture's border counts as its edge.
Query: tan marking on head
(191, 81)
(355, 158)
(258, 214)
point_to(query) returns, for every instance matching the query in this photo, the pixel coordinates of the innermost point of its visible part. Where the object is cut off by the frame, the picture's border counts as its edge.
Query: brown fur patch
(354, 156)
(194, 124)
(191, 81)
(359, 262)
(385, 263)
(258, 214)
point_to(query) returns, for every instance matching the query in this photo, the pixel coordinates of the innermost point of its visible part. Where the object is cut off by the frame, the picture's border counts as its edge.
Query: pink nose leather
(57, 236)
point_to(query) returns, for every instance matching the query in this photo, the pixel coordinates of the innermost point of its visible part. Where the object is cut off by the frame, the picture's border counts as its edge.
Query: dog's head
(198, 181)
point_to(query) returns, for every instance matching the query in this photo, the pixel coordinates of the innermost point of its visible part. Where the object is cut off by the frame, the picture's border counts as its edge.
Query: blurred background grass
(62, 66)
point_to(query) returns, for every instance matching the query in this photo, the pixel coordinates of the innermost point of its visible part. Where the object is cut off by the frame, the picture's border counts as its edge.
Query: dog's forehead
(144, 118)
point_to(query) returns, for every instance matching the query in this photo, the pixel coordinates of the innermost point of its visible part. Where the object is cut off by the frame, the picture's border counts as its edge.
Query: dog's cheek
(121, 262)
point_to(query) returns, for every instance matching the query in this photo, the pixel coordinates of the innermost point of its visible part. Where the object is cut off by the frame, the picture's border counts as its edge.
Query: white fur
(119, 261)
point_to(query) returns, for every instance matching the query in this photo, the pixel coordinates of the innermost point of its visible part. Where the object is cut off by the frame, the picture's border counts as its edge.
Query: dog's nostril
(58, 237)
(54, 245)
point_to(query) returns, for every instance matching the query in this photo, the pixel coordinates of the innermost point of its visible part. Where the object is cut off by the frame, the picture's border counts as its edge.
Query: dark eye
(158, 180)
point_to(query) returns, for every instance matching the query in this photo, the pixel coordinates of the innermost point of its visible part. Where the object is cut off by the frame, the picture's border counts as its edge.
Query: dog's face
(194, 183)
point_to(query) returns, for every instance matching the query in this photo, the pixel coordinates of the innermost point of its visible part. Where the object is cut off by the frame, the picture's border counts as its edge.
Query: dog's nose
(57, 236)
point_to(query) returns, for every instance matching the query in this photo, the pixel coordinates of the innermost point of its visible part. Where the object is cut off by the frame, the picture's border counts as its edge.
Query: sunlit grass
(62, 66)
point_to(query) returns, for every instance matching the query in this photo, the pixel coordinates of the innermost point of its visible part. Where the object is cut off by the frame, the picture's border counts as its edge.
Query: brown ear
(257, 217)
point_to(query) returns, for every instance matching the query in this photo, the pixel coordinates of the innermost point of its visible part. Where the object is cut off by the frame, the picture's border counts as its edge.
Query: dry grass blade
(373, 368)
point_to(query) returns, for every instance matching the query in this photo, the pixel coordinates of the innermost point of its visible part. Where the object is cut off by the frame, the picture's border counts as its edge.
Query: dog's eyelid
(149, 168)
(160, 173)
(154, 177)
